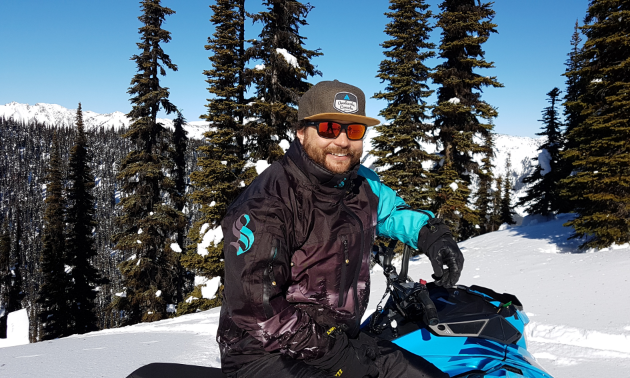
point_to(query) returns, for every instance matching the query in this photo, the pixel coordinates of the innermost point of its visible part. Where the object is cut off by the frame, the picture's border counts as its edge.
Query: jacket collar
(317, 174)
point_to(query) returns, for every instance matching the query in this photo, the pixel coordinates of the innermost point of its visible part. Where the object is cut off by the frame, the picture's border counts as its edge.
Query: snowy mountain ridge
(57, 115)
(520, 149)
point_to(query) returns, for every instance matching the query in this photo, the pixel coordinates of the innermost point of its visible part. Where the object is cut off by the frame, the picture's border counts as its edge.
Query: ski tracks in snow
(569, 348)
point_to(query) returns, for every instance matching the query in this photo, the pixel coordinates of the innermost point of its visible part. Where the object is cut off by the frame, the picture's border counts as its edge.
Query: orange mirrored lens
(329, 129)
(355, 131)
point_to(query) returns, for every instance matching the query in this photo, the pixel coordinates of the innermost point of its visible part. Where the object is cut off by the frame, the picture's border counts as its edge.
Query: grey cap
(334, 100)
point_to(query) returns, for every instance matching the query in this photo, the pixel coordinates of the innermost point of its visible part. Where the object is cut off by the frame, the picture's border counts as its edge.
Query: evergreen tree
(506, 208)
(223, 158)
(575, 87)
(483, 197)
(16, 290)
(599, 152)
(80, 247)
(398, 147)
(179, 195)
(280, 78)
(148, 217)
(495, 217)
(543, 196)
(466, 25)
(5, 277)
(54, 314)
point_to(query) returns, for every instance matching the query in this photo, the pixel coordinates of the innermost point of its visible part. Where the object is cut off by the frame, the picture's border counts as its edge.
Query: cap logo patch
(346, 102)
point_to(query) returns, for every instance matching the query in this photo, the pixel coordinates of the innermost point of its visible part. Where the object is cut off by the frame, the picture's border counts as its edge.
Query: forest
(110, 227)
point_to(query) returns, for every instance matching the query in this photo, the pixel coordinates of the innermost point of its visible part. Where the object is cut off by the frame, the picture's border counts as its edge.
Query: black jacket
(297, 248)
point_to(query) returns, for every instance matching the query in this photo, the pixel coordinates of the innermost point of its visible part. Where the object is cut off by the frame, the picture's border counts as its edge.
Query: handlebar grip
(430, 316)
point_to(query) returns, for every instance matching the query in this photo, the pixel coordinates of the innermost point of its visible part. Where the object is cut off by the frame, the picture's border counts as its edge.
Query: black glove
(347, 361)
(436, 241)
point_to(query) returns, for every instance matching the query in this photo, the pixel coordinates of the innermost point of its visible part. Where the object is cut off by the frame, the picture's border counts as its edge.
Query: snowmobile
(466, 331)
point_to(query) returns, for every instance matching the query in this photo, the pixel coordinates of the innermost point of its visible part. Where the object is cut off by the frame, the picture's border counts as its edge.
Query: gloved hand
(349, 359)
(436, 241)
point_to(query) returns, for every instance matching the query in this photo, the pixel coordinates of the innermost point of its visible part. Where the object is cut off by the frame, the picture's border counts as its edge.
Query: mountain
(57, 115)
(520, 149)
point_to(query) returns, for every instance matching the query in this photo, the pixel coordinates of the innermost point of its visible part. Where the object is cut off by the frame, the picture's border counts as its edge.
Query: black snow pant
(393, 362)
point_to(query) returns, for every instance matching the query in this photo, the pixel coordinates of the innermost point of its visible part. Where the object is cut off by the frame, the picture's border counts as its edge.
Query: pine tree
(80, 247)
(148, 217)
(179, 195)
(16, 290)
(5, 277)
(495, 217)
(54, 315)
(600, 187)
(466, 25)
(223, 158)
(543, 196)
(399, 145)
(483, 197)
(575, 87)
(280, 78)
(506, 207)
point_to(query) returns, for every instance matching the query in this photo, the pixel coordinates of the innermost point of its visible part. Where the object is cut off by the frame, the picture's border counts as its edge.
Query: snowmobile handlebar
(408, 294)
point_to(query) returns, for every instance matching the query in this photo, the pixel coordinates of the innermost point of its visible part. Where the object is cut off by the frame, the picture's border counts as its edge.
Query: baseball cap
(334, 100)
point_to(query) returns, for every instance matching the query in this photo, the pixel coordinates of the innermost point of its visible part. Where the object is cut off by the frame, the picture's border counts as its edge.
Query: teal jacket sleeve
(396, 220)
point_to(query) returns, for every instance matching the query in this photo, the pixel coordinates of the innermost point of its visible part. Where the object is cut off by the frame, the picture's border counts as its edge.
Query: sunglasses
(331, 130)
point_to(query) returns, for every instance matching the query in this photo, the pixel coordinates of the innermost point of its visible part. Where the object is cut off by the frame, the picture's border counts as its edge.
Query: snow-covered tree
(280, 78)
(149, 220)
(223, 157)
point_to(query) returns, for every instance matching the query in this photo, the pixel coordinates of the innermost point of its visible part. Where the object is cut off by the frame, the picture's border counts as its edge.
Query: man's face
(337, 155)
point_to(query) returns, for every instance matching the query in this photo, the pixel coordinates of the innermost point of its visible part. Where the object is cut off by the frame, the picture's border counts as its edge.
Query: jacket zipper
(358, 270)
(344, 269)
(270, 279)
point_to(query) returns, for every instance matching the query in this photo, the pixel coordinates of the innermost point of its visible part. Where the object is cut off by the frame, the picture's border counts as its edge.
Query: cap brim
(344, 118)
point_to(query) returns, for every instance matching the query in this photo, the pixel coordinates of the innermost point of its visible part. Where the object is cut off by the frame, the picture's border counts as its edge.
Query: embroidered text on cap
(346, 102)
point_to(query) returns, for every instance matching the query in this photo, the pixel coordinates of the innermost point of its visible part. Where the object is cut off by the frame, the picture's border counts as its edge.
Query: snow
(209, 290)
(53, 114)
(288, 57)
(579, 326)
(158, 293)
(454, 100)
(210, 237)
(259, 67)
(176, 248)
(284, 144)
(17, 330)
(454, 186)
(543, 160)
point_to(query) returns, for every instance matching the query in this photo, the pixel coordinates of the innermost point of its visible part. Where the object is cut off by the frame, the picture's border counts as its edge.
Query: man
(297, 253)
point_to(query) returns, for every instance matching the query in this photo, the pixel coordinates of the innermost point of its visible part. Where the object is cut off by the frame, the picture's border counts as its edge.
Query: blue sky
(67, 51)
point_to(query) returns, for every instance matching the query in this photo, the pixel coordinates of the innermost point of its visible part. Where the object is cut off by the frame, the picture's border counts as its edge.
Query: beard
(318, 155)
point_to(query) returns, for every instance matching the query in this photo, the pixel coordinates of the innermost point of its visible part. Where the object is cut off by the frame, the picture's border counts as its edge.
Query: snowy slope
(577, 303)
(57, 115)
